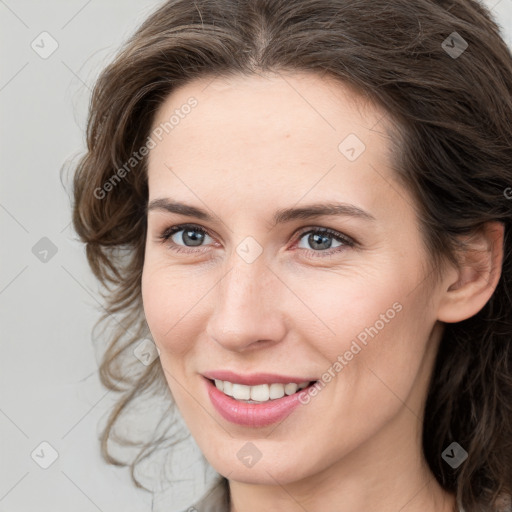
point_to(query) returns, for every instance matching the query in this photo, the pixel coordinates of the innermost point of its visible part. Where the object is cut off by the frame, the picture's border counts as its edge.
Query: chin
(280, 467)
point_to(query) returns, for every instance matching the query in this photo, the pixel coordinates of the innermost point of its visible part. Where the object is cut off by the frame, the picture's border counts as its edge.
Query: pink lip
(255, 378)
(252, 415)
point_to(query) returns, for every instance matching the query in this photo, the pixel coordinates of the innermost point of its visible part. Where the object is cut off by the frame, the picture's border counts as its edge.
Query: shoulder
(216, 499)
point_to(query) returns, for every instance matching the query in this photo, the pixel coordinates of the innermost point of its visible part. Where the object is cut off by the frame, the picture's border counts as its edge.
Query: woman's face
(250, 301)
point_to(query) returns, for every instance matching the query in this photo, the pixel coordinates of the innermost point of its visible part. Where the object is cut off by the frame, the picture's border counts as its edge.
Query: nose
(247, 312)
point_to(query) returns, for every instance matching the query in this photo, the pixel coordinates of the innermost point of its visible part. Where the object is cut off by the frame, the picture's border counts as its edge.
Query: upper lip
(253, 379)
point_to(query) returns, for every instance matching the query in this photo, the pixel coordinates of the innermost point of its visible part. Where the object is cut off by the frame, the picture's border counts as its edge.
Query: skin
(253, 145)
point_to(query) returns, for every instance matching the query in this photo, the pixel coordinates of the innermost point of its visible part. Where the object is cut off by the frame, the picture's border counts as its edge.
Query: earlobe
(477, 275)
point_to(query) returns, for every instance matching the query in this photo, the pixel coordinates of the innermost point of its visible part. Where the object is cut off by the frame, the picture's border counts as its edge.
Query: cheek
(164, 303)
(370, 322)
(157, 301)
(344, 309)
(174, 304)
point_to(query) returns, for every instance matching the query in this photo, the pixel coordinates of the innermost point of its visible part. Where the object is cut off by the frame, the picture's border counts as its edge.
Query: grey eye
(190, 237)
(319, 240)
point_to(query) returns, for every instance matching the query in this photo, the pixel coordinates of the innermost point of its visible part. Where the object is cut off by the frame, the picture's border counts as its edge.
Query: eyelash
(339, 237)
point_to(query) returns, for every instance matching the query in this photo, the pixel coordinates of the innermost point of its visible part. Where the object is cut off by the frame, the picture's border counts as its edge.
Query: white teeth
(227, 388)
(259, 393)
(289, 389)
(276, 391)
(241, 392)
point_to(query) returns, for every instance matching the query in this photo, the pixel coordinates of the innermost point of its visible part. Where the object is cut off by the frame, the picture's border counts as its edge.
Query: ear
(467, 288)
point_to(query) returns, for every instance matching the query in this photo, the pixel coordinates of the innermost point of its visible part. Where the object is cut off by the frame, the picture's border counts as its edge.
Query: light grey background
(49, 388)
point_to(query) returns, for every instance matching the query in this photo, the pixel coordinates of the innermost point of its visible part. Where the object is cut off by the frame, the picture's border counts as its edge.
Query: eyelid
(169, 231)
(330, 231)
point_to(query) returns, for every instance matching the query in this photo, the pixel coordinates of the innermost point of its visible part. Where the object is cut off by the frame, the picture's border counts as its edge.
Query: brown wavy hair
(454, 137)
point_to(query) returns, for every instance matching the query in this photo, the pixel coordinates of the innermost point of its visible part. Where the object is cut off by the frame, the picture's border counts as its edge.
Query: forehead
(295, 132)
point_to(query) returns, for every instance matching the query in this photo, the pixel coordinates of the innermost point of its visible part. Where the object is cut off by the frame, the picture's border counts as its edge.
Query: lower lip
(252, 415)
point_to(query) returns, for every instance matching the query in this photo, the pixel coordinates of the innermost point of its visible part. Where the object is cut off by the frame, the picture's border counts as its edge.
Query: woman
(305, 205)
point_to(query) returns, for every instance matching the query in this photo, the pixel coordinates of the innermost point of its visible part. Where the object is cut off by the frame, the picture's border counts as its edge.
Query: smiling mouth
(261, 393)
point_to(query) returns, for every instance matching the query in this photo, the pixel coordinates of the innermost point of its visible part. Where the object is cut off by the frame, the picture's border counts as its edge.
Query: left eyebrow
(320, 210)
(280, 216)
